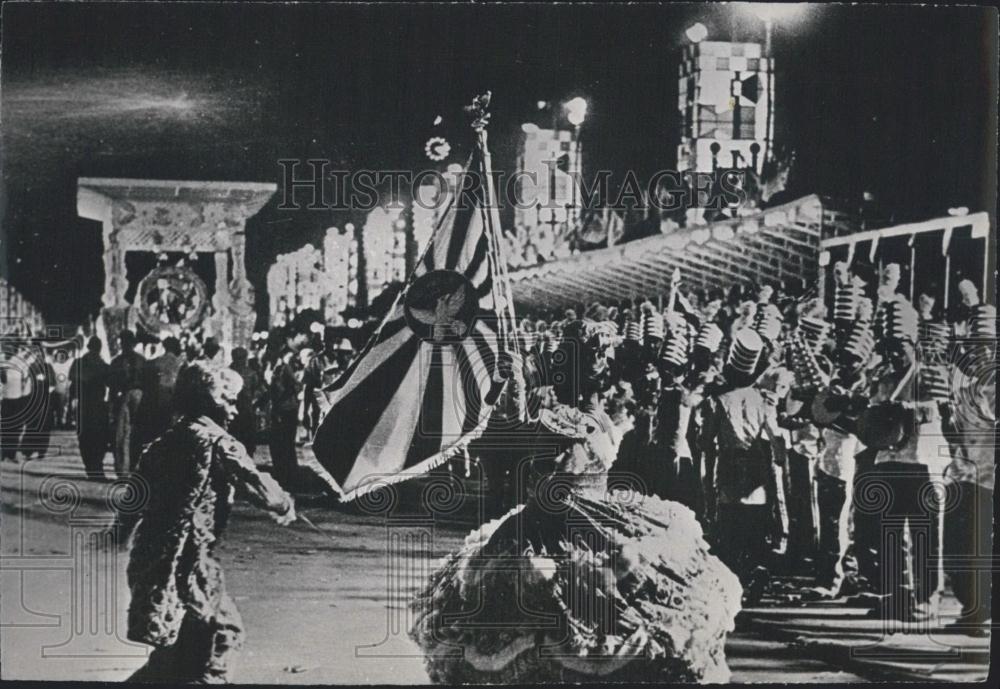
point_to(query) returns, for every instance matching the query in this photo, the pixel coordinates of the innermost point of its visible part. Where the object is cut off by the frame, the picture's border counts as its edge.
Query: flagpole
(491, 217)
(503, 299)
(675, 281)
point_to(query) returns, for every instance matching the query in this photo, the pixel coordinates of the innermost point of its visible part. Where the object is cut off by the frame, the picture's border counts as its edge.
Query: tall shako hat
(709, 337)
(675, 344)
(814, 331)
(652, 323)
(849, 290)
(744, 352)
(632, 330)
(982, 329)
(983, 322)
(803, 363)
(860, 343)
(897, 321)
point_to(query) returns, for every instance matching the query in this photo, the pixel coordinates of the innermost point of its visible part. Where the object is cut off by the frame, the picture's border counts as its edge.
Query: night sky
(900, 101)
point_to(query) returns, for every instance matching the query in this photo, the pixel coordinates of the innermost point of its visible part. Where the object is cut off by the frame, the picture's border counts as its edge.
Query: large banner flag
(424, 386)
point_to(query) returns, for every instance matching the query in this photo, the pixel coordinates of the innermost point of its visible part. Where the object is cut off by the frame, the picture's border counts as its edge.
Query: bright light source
(576, 111)
(958, 212)
(180, 103)
(529, 127)
(400, 224)
(542, 104)
(696, 33)
(770, 12)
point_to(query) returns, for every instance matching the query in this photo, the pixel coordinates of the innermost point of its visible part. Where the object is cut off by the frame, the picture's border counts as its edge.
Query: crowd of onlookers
(118, 407)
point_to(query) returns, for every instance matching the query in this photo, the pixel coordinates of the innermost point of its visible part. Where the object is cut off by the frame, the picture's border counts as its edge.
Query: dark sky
(897, 100)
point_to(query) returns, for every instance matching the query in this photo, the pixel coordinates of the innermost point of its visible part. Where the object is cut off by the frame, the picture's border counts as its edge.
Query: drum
(885, 426)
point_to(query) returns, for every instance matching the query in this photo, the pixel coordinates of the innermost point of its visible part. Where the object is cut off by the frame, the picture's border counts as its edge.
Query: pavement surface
(330, 607)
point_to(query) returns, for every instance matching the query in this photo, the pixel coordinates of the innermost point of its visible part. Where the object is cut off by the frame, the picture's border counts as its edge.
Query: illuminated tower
(547, 160)
(725, 97)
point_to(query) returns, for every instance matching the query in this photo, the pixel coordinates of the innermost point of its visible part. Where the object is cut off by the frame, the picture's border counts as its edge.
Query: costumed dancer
(179, 602)
(579, 584)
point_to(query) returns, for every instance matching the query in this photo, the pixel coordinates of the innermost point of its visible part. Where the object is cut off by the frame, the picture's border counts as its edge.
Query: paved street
(320, 608)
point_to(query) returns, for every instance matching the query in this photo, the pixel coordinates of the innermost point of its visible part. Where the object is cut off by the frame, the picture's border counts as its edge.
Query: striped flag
(424, 386)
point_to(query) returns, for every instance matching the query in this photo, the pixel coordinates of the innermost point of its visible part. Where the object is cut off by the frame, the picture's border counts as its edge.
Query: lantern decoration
(324, 279)
(437, 148)
(384, 244)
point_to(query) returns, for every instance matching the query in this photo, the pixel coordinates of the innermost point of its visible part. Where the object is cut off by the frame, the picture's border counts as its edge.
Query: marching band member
(805, 441)
(906, 432)
(835, 470)
(674, 417)
(739, 428)
(702, 373)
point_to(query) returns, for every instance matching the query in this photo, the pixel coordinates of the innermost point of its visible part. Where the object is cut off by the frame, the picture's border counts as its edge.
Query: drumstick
(303, 518)
(903, 382)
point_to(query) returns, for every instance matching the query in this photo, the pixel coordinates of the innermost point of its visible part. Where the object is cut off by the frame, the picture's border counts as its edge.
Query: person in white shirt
(16, 385)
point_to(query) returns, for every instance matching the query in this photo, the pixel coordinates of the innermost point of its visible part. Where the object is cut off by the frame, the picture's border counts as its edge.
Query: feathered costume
(578, 584)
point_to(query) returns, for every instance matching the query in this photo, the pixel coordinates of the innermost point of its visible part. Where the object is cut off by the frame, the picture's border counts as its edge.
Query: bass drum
(827, 408)
(886, 426)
